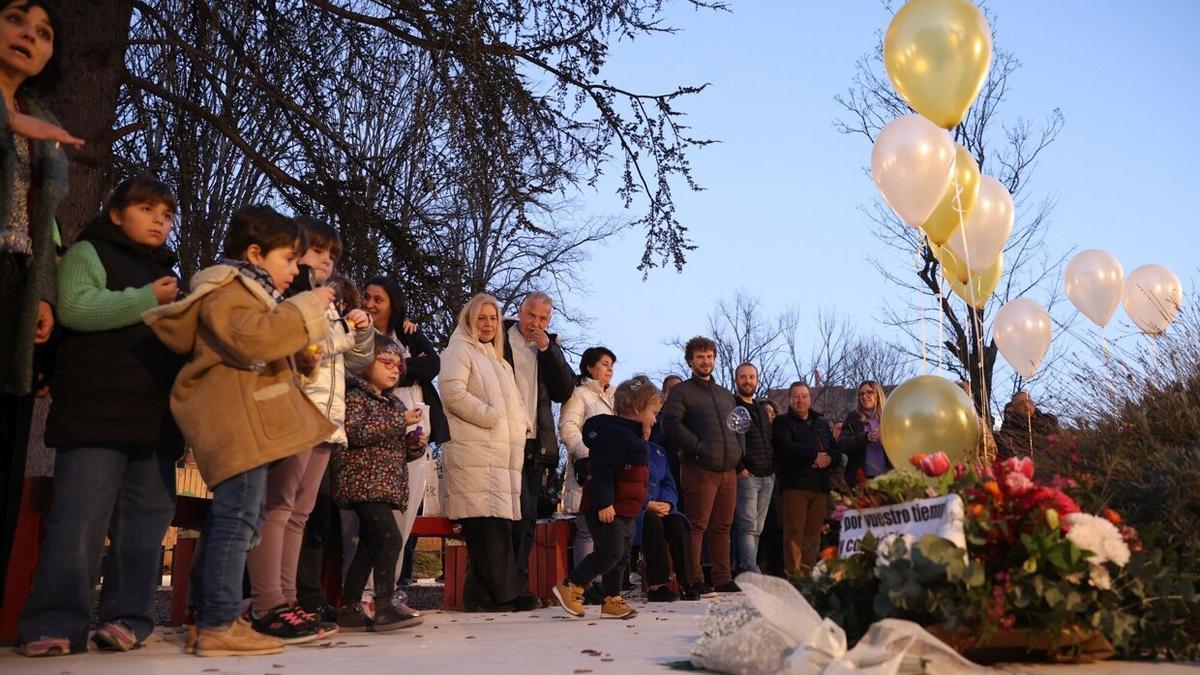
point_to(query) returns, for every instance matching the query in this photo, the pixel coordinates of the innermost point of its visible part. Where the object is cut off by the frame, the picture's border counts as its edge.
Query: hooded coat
(238, 400)
(486, 450)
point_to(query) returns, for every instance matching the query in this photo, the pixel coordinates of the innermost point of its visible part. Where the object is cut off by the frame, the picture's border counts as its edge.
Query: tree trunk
(95, 35)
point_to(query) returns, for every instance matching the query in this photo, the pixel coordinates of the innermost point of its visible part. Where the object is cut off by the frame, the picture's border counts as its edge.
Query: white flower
(883, 554)
(1099, 576)
(1099, 537)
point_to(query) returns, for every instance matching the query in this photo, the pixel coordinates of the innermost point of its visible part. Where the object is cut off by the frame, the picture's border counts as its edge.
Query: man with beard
(756, 472)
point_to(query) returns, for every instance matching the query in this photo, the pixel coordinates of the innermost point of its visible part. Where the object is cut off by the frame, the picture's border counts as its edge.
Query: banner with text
(942, 516)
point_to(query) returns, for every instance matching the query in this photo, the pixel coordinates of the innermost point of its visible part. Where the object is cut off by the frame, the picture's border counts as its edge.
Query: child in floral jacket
(370, 477)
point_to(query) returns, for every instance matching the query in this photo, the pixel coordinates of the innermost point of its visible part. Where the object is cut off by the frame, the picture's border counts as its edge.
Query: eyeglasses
(391, 362)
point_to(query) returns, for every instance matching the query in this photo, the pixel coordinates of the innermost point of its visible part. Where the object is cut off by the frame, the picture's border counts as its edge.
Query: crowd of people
(310, 409)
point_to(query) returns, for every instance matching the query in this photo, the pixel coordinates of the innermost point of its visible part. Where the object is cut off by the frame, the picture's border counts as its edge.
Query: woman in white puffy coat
(593, 396)
(485, 453)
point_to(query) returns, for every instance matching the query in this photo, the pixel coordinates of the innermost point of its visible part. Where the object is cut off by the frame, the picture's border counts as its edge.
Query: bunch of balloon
(1096, 284)
(937, 54)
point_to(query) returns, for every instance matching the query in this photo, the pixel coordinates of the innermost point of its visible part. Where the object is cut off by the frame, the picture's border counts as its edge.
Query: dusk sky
(780, 214)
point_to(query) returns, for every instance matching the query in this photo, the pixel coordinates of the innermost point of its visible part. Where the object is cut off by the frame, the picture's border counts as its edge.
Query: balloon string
(962, 230)
(1029, 422)
(917, 260)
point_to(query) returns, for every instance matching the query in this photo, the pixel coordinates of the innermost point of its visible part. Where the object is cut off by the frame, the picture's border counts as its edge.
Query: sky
(780, 217)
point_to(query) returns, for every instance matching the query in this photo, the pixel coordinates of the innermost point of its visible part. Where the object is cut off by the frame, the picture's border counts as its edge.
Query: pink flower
(960, 470)
(1017, 484)
(1024, 465)
(935, 465)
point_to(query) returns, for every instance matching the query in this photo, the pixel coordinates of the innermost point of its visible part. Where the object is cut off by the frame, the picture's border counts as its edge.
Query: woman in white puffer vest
(593, 396)
(485, 453)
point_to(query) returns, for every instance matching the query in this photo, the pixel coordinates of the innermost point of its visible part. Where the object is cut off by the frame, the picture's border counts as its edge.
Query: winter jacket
(1019, 432)
(486, 450)
(47, 188)
(620, 477)
(237, 400)
(853, 443)
(661, 488)
(556, 383)
(759, 459)
(372, 468)
(588, 401)
(797, 442)
(347, 352)
(113, 377)
(421, 368)
(695, 421)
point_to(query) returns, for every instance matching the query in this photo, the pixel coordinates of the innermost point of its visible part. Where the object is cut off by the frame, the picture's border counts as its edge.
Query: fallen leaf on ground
(590, 652)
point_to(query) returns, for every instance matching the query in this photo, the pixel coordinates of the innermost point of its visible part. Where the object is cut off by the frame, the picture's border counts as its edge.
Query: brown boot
(237, 639)
(570, 597)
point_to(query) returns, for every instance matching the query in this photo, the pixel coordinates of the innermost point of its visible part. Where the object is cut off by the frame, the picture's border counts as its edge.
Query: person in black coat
(1025, 429)
(861, 437)
(806, 456)
(543, 378)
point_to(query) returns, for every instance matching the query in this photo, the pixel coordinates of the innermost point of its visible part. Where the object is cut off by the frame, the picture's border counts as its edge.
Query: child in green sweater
(111, 424)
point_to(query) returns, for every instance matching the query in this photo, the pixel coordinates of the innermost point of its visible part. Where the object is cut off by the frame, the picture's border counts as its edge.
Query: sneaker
(406, 609)
(389, 618)
(661, 594)
(115, 636)
(688, 594)
(615, 608)
(325, 613)
(704, 590)
(325, 628)
(352, 619)
(592, 595)
(570, 597)
(47, 646)
(284, 622)
(236, 639)
(525, 602)
(728, 587)
(189, 628)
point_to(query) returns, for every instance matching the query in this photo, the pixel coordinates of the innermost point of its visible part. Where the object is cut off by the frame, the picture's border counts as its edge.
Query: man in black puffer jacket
(694, 419)
(806, 455)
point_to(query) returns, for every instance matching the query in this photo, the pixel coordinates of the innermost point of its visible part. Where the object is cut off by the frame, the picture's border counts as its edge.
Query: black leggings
(378, 551)
(660, 535)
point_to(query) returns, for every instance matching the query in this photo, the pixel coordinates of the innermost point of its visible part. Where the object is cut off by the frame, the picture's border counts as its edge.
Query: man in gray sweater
(695, 421)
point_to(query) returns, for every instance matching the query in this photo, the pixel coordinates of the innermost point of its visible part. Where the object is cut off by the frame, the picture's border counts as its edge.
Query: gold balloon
(979, 288)
(952, 268)
(952, 211)
(937, 54)
(929, 414)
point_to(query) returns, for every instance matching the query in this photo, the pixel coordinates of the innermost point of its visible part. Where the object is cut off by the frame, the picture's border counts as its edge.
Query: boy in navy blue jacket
(613, 495)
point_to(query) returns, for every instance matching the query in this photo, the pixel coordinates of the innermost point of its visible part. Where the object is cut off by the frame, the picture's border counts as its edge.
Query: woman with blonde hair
(485, 453)
(861, 436)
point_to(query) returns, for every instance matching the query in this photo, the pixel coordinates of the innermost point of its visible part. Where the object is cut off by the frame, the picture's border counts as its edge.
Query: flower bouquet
(1037, 577)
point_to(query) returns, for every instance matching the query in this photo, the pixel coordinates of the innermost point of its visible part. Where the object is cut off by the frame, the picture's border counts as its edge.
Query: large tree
(1007, 148)
(407, 123)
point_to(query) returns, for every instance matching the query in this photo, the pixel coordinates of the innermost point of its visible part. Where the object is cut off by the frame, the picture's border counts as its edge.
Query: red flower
(1024, 466)
(829, 553)
(916, 459)
(934, 465)
(1111, 516)
(960, 470)
(1017, 484)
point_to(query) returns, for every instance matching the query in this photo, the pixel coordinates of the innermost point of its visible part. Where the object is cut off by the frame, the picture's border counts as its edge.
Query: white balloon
(1095, 280)
(1022, 333)
(1152, 297)
(912, 163)
(986, 228)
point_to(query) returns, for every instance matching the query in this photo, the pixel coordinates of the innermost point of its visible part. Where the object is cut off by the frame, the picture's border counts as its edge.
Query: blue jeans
(753, 500)
(238, 508)
(127, 493)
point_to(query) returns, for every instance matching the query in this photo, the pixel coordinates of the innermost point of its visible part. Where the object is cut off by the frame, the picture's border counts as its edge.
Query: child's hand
(412, 416)
(166, 289)
(409, 327)
(310, 356)
(607, 514)
(326, 295)
(40, 130)
(360, 319)
(45, 323)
